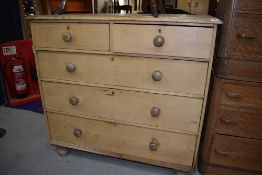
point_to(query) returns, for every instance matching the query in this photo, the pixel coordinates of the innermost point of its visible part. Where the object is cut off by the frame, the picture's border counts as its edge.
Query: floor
(25, 150)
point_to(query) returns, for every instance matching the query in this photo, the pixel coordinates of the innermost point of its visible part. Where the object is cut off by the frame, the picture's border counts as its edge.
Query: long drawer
(159, 111)
(178, 41)
(156, 74)
(247, 6)
(241, 94)
(240, 122)
(239, 69)
(237, 152)
(246, 41)
(86, 36)
(123, 140)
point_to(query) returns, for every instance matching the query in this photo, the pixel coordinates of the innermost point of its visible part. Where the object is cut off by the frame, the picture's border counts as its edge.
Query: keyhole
(159, 30)
(112, 59)
(67, 27)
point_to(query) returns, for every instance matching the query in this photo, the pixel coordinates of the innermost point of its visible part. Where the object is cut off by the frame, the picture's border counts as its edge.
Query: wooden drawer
(240, 94)
(83, 36)
(177, 76)
(179, 41)
(125, 106)
(240, 122)
(246, 42)
(239, 70)
(237, 152)
(249, 6)
(122, 140)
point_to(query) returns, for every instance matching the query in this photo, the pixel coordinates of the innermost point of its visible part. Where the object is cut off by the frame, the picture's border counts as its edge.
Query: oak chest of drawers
(232, 140)
(133, 87)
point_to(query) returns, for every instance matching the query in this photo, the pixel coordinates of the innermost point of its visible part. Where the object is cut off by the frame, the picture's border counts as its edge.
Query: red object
(19, 70)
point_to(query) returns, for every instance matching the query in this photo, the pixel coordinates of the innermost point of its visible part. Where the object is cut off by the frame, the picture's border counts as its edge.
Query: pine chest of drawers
(133, 87)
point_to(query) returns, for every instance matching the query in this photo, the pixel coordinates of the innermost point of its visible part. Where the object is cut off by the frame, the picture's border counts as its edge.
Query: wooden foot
(62, 151)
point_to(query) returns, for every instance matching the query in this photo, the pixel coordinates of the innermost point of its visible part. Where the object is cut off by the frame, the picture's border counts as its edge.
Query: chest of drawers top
(169, 35)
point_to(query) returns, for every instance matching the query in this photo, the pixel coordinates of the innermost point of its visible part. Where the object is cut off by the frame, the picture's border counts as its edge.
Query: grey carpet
(25, 150)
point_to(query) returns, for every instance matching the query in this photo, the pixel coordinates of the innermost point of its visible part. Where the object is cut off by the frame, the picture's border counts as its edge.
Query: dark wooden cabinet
(240, 47)
(232, 139)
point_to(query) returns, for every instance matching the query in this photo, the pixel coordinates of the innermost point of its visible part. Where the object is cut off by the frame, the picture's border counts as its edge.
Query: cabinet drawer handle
(222, 153)
(246, 36)
(77, 132)
(153, 145)
(155, 112)
(70, 67)
(74, 100)
(159, 41)
(67, 37)
(229, 122)
(157, 75)
(233, 95)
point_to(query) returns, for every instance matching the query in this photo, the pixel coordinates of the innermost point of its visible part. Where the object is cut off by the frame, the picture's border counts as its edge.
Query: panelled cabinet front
(129, 87)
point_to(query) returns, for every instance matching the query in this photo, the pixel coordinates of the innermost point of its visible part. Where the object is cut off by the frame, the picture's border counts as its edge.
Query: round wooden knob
(159, 41)
(77, 132)
(70, 67)
(157, 75)
(153, 145)
(67, 36)
(73, 100)
(155, 112)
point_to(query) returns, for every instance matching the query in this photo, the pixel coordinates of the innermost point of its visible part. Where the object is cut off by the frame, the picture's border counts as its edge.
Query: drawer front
(238, 95)
(240, 122)
(123, 140)
(160, 111)
(178, 41)
(239, 70)
(246, 41)
(237, 152)
(175, 75)
(71, 35)
(249, 6)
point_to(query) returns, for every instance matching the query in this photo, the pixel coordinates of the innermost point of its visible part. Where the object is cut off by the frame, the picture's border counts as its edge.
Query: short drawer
(158, 111)
(240, 122)
(71, 35)
(249, 6)
(123, 140)
(240, 94)
(181, 41)
(146, 73)
(237, 152)
(246, 41)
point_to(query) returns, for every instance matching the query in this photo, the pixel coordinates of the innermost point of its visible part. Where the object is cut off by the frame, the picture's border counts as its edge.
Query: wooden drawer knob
(74, 100)
(67, 37)
(157, 75)
(159, 41)
(70, 67)
(77, 132)
(155, 112)
(153, 145)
